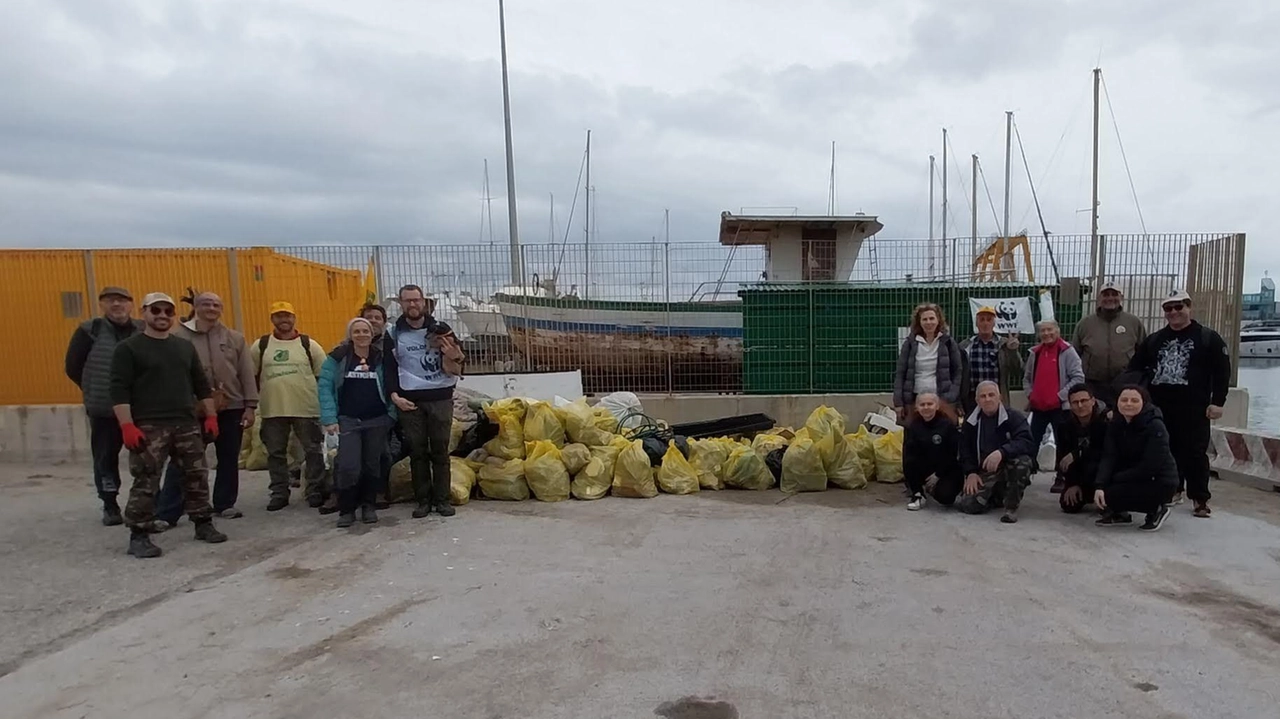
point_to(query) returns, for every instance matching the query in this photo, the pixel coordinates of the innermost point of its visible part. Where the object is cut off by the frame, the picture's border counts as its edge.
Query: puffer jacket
(1138, 451)
(88, 361)
(950, 370)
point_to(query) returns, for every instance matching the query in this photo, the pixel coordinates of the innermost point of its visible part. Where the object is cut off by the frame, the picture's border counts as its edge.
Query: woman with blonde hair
(929, 361)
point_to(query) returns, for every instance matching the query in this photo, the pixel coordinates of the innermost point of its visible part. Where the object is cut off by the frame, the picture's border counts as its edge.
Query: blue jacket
(333, 373)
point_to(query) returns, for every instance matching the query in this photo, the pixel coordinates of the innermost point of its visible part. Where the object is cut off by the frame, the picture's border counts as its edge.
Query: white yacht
(1261, 339)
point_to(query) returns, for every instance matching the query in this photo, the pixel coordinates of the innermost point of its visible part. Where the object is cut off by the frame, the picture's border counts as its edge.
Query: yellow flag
(371, 284)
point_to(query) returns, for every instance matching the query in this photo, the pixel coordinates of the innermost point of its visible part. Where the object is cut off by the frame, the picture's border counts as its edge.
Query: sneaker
(1202, 510)
(1115, 519)
(206, 532)
(381, 502)
(1177, 498)
(1155, 520)
(329, 506)
(157, 526)
(277, 503)
(315, 501)
(141, 547)
(916, 503)
(1058, 486)
(368, 514)
(446, 510)
(1010, 516)
(422, 510)
(346, 519)
(111, 515)
(229, 513)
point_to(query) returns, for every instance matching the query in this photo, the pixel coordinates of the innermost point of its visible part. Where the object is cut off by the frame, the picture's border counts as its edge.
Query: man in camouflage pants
(995, 456)
(155, 380)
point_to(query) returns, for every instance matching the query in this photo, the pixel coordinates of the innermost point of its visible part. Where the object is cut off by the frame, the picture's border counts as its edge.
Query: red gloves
(211, 426)
(133, 437)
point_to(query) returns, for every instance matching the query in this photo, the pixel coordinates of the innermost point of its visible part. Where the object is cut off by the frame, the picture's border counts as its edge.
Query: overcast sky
(154, 122)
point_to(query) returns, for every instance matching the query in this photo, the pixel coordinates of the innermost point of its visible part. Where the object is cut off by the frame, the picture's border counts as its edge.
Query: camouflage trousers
(1001, 488)
(184, 444)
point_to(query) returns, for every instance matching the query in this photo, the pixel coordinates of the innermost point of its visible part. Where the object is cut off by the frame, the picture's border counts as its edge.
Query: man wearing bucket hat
(1187, 367)
(287, 364)
(988, 357)
(1106, 341)
(156, 380)
(88, 364)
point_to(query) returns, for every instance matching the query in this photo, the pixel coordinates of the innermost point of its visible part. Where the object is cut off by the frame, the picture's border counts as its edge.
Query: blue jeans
(226, 483)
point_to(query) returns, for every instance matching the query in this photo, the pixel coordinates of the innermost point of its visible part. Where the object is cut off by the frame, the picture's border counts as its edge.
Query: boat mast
(944, 201)
(586, 230)
(488, 205)
(551, 221)
(932, 173)
(831, 187)
(973, 230)
(1008, 150)
(517, 267)
(1093, 209)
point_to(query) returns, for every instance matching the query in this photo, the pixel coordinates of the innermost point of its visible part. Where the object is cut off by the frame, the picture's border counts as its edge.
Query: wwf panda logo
(937, 439)
(431, 363)
(1007, 310)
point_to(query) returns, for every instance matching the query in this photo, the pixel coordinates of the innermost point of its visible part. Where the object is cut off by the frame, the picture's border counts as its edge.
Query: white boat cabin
(815, 248)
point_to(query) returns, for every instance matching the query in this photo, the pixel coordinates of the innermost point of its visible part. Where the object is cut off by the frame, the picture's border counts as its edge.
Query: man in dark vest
(88, 364)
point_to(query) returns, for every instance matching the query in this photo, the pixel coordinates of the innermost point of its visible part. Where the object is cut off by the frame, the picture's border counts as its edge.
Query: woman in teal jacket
(355, 405)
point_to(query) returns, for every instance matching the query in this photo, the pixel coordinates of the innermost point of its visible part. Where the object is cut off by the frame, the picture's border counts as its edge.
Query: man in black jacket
(1084, 432)
(1187, 368)
(995, 455)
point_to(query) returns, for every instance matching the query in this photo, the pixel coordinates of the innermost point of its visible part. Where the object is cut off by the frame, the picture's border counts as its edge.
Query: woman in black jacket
(1137, 472)
(929, 453)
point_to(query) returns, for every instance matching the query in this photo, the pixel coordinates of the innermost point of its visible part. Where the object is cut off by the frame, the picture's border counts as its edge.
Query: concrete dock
(716, 606)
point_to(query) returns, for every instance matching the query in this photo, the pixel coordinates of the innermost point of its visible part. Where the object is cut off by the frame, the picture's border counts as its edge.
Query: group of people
(1130, 412)
(165, 389)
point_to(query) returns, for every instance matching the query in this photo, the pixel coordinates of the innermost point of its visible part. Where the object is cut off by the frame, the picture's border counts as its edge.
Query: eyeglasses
(1178, 307)
(157, 311)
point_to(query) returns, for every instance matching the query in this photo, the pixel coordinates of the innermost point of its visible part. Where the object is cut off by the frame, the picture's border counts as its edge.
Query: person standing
(1106, 341)
(930, 453)
(287, 364)
(1084, 432)
(156, 379)
(1188, 369)
(995, 456)
(929, 361)
(355, 406)
(1138, 472)
(377, 316)
(1053, 367)
(225, 358)
(988, 357)
(427, 361)
(88, 364)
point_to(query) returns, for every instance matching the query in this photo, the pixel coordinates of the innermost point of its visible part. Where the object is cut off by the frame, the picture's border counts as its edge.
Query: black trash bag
(774, 462)
(682, 444)
(655, 448)
(475, 437)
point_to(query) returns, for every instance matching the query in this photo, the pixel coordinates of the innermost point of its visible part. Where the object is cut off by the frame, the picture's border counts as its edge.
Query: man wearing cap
(1188, 368)
(156, 379)
(1106, 341)
(287, 364)
(88, 364)
(225, 359)
(988, 357)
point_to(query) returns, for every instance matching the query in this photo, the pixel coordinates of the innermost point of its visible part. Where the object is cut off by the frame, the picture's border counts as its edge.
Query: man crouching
(995, 455)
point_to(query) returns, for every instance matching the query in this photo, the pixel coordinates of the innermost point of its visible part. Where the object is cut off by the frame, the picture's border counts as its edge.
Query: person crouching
(995, 454)
(1138, 472)
(930, 460)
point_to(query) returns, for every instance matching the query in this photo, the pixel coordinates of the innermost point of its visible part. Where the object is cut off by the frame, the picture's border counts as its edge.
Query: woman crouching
(930, 453)
(1138, 472)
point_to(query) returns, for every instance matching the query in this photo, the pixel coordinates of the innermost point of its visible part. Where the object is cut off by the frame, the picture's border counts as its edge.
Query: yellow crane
(996, 263)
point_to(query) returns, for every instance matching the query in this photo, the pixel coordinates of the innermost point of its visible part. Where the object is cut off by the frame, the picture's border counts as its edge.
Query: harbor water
(1262, 379)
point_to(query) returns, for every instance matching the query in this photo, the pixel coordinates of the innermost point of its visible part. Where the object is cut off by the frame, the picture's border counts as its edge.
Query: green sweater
(159, 379)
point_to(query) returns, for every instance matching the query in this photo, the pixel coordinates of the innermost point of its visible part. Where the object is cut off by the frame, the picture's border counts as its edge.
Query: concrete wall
(43, 433)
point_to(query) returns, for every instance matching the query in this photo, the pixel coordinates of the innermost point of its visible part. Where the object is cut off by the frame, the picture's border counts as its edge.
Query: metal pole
(931, 201)
(586, 230)
(378, 277)
(233, 268)
(1093, 209)
(91, 282)
(944, 200)
(973, 232)
(1008, 150)
(517, 268)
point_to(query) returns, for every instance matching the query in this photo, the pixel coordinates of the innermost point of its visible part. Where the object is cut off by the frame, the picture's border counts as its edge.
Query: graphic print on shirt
(280, 356)
(1173, 360)
(431, 363)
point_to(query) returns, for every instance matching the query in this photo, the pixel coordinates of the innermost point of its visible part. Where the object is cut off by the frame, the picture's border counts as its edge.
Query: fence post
(666, 281)
(1102, 261)
(1233, 321)
(378, 278)
(91, 282)
(233, 269)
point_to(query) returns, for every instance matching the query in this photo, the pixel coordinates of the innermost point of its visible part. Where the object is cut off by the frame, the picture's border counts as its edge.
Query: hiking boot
(346, 519)
(277, 503)
(111, 515)
(206, 532)
(315, 501)
(1115, 519)
(1010, 516)
(1058, 486)
(1202, 510)
(446, 510)
(368, 514)
(1156, 519)
(422, 510)
(916, 503)
(141, 547)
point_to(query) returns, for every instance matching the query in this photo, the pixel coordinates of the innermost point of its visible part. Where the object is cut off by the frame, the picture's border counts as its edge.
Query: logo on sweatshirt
(280, 356)
(937, 439)
(1120, 329)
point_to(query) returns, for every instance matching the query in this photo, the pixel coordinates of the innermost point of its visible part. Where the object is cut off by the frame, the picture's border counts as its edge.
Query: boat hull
(1260, 347)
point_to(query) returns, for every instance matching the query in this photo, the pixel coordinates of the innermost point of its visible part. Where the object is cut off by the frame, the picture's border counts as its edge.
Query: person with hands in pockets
(156, 379)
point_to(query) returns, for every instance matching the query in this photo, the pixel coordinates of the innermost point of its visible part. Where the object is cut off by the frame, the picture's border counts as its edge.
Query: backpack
(264, 340)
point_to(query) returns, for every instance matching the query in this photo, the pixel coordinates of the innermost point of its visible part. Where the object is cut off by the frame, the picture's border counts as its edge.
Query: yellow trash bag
(604, 419)
(455, 435)
(400, 485)
(504, 481)
(889, 457)
(509, 444)
(766, 443)
(594, 479)
(579, 424)
(824, 421)
(840, 459)
(802, 469)
(575, 457)
(632, 475)
(675, 474)
(513, 406)
(864, 446)
(542, 423)
(547, 477)
(709, 457)
(746, 470)
(461, 479)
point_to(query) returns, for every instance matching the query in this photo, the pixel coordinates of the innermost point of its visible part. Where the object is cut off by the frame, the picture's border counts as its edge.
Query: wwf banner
(1013, 314)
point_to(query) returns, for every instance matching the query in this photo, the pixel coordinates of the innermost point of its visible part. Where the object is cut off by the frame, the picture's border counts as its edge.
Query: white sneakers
(916, 504)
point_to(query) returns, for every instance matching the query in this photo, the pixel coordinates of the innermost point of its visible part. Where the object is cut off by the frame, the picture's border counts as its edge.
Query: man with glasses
(156, 379)
(88, 364)
(225, 359)
(1187, 367)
